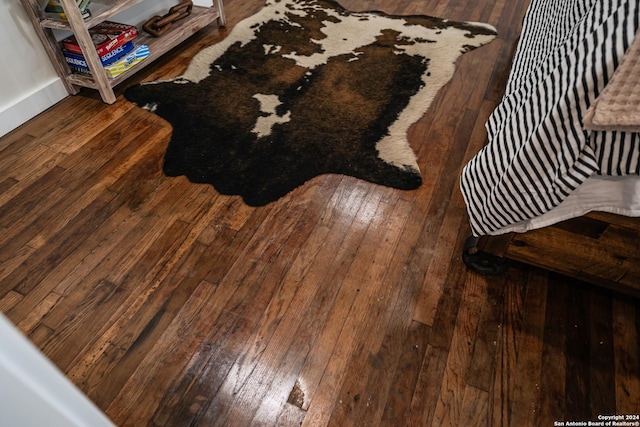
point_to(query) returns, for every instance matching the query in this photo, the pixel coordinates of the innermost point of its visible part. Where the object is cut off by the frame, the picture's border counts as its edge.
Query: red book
(106, 36)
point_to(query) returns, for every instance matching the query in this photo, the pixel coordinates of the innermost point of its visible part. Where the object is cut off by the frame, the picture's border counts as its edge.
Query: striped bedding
(538, 155)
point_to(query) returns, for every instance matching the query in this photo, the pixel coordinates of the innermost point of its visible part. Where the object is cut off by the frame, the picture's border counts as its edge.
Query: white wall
(34, 393)
(28, 82)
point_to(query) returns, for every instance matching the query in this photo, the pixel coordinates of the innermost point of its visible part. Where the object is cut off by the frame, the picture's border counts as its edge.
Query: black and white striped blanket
(537, 152)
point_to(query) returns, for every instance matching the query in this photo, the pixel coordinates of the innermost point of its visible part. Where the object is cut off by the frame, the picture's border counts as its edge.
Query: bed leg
(482, 262)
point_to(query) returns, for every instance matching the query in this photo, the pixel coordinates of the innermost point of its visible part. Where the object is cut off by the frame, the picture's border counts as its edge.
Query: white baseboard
(21, 110)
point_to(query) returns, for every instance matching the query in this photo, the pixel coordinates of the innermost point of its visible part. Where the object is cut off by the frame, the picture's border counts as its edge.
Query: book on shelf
(76, 59)
(106, 36)
(55, 8)
(119, 66)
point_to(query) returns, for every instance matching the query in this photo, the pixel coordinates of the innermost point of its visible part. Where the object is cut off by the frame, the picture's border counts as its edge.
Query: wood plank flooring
(344, 303)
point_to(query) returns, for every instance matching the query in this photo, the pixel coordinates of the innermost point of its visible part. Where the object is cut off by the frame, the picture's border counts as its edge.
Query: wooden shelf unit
(102, 10)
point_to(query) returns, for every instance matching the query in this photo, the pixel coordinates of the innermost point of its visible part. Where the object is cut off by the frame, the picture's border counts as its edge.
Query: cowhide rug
(305, 88)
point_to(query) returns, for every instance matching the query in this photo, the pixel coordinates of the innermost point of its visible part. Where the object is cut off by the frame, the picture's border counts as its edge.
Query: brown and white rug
(305, 88)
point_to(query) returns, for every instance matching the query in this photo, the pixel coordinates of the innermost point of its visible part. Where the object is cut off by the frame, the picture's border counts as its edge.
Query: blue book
(77, 61)
(123, 64)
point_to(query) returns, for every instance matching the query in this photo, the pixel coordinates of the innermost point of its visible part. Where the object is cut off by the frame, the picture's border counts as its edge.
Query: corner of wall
(30, 105)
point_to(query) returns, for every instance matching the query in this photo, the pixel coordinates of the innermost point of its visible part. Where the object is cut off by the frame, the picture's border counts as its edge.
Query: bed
(563, 149)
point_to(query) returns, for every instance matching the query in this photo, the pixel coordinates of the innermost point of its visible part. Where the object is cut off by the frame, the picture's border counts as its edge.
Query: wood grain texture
(342, 304)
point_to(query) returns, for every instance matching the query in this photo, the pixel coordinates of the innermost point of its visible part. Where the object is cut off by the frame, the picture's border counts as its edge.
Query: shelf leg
(222, 19)
(88, 50)
(50, 44)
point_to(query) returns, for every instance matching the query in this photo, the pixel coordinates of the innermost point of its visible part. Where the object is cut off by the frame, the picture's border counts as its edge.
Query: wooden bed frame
(598, 248)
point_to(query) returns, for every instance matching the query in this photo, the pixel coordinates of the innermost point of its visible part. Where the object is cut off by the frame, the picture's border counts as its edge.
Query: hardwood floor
(344, 303)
